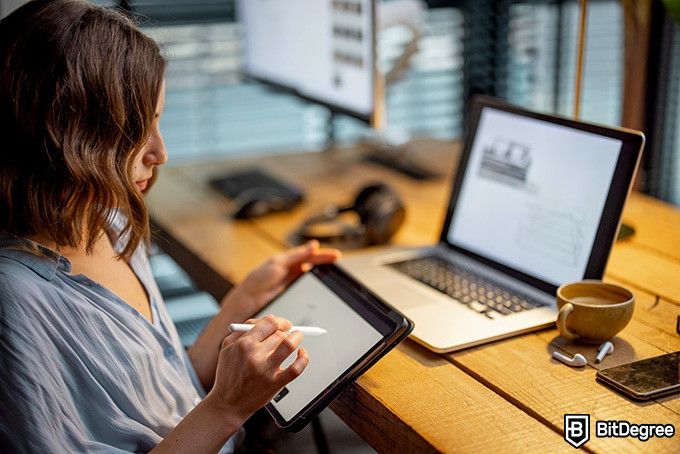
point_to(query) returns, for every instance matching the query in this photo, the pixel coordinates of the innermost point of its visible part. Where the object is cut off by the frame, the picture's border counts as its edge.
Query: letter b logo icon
(577, 429)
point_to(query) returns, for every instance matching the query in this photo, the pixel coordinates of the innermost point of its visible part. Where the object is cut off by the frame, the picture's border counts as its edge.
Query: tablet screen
(309, 302)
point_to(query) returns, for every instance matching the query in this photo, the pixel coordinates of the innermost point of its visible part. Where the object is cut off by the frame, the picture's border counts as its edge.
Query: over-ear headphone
(379, 208)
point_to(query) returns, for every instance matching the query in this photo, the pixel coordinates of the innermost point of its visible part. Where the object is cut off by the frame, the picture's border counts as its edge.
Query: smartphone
(645, 379)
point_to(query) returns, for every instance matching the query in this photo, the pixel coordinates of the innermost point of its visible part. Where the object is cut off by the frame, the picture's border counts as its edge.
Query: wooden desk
(506, 395)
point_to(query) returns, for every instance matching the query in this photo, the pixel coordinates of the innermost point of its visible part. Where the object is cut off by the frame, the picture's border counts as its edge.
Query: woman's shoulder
(18, 270)
(23, 268)
(25, 284)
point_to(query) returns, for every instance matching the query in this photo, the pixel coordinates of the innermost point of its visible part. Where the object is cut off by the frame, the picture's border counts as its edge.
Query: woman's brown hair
(78, 91)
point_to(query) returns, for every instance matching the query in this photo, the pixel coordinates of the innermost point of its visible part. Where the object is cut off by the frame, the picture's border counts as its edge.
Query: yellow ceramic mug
(592, 311)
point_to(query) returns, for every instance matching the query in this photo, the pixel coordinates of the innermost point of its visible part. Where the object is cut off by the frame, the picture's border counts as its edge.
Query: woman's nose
(157, 154)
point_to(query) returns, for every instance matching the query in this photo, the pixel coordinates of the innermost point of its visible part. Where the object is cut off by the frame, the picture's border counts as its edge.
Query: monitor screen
(533, 194)
(309, 302)
(322, 50)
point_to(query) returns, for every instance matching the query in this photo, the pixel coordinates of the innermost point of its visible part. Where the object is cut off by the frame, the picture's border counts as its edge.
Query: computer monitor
(322, 51)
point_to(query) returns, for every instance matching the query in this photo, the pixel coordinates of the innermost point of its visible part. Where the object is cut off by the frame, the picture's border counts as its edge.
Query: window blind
(542, 43)
(211, 110)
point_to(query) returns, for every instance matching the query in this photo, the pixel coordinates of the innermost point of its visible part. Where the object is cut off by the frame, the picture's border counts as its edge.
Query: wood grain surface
(508, 395)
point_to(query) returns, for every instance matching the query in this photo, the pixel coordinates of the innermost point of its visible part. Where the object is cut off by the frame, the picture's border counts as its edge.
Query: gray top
(80, 369)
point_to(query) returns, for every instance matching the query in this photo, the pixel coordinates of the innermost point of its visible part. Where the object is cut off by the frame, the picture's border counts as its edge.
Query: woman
(90, 358)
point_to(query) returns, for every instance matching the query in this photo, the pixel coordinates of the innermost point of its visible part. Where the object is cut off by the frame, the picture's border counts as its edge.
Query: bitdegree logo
(577, 429)
(624, 429)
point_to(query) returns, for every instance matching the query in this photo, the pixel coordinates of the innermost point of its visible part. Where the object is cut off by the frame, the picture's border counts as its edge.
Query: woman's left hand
(270, 278)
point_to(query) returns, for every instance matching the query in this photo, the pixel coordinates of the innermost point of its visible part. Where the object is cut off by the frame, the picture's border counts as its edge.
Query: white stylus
(309, 330)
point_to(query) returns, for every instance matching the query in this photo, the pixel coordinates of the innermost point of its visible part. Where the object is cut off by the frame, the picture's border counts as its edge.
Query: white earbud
(605, 349)
(577, 361)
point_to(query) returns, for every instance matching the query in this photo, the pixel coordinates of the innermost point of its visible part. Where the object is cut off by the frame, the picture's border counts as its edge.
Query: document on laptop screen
(533, 194)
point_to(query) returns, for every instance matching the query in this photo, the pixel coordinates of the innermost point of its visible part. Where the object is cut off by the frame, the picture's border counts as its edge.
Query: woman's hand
(249, 372)
(249, 375)
(270, 278)
(244, 300)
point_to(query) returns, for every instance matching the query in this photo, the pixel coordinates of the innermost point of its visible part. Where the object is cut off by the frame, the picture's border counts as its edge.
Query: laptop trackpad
(405, 294)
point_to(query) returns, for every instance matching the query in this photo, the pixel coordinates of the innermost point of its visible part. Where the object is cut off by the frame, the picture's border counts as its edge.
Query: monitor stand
(389, 152)
(393, 153)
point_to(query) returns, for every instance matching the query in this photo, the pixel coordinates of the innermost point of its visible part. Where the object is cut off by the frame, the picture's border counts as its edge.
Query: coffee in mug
(592, 311)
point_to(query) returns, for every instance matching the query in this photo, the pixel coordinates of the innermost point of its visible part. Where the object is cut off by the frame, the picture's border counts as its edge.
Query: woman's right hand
(249, 372)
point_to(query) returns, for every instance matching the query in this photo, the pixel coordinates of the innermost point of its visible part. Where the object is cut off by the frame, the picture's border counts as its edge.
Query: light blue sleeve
(81, 371)
(37, 412)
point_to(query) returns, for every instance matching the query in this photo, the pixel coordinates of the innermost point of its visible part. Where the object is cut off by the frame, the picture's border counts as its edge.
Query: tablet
(361, 329)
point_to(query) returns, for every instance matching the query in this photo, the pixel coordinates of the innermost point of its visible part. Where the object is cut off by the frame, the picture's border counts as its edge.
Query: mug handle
(562, 321)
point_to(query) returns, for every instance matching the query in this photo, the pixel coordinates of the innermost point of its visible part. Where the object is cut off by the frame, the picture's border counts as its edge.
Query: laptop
(535, 203)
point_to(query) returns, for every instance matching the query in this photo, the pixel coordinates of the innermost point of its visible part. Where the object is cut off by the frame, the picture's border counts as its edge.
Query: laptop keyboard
(470, 289)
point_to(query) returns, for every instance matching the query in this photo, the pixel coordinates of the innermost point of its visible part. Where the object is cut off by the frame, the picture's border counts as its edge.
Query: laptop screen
(533, 194)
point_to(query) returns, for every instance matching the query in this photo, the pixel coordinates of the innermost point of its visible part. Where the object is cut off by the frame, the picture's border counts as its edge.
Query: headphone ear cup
(362, 200)
(381, 211)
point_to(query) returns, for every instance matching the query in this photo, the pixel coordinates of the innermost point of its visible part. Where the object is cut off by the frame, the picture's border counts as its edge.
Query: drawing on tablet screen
(506, 161)
(310, 302)
(307, 314)
(553, 232)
